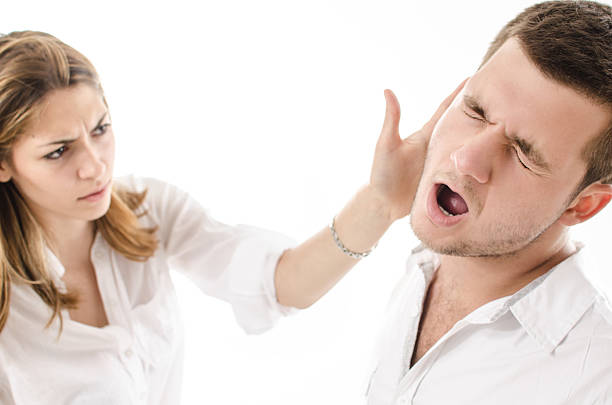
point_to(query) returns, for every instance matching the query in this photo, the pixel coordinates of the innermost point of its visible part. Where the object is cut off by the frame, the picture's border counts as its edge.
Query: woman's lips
(95, 196)
(434, 212)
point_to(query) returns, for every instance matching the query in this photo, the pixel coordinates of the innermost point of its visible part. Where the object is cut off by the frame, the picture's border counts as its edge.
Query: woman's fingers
(390, 131)
(431, 124)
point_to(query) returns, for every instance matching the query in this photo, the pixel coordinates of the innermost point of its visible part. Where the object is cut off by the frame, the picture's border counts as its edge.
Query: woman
(88, 313)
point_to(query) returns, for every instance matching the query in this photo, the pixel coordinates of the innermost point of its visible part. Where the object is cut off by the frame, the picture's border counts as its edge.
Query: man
(494, 307)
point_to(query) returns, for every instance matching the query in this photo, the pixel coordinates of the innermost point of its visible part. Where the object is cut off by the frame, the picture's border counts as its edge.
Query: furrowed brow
(529, 150)
(69, 141)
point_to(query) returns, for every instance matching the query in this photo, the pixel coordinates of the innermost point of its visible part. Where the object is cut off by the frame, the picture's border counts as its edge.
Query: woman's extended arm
(305, 273)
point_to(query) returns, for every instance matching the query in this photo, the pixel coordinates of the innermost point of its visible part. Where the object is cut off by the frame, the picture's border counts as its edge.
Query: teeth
(448, 214)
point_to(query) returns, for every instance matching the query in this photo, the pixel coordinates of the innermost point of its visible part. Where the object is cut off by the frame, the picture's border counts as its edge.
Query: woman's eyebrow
(58, 142)
(68, 141)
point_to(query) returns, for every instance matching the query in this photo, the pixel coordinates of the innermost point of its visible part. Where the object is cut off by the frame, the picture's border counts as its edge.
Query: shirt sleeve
(233, 263)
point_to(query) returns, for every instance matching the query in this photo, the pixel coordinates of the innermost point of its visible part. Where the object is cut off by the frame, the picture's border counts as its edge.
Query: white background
(268, 112)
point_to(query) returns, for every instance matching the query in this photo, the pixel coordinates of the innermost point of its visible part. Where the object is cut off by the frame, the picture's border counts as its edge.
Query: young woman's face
(63, 164)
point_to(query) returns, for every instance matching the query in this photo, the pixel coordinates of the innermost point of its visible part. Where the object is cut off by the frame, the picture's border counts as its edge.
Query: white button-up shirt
(550, 343)
(137, 358)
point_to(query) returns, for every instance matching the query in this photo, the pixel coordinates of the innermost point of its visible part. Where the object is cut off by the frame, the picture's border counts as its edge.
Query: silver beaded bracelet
(345, 250)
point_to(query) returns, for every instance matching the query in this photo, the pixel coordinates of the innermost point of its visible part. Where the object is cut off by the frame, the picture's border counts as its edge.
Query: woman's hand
(398, 163)
(309, 270)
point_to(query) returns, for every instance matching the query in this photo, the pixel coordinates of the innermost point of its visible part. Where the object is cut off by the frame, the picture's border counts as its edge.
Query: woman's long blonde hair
(31, 65)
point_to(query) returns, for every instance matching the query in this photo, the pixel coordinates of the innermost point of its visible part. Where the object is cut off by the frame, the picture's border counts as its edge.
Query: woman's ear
(588, 203)
(5, 172)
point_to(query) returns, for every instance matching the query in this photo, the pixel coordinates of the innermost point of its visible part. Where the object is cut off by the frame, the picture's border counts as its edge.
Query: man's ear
(589, 202)
(5, 172)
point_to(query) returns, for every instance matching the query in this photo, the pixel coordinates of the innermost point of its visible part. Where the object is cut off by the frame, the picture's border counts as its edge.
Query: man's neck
(478, 280)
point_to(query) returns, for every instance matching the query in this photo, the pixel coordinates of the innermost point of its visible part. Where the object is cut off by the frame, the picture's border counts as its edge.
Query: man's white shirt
(550, 343)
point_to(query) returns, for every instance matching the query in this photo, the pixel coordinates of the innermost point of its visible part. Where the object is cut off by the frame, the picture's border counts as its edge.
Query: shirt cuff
(252, 287)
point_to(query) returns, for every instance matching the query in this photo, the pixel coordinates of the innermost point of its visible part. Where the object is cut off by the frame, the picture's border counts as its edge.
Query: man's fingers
(443, 107)
(390, 128)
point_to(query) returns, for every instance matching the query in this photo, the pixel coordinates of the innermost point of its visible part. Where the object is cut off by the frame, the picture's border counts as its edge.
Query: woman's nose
(91, 165)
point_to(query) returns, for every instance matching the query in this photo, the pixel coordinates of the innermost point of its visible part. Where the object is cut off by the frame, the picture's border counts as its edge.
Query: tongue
(451, 201)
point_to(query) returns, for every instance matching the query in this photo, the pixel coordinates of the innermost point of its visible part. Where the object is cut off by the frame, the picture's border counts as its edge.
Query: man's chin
(448, 249)
(458, 247)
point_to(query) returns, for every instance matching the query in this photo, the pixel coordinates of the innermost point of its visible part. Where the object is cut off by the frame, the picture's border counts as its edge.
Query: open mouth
(450, 203)
(445, 207)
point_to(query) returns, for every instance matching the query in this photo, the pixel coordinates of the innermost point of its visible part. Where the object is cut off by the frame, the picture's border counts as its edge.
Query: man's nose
(476, 157)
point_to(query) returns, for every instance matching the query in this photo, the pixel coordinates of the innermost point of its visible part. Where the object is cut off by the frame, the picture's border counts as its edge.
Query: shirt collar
(425, 260)
(547, 308)
(53, 264)
(550, 306)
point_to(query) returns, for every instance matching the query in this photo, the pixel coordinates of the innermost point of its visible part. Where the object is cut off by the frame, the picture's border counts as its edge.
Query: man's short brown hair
(571, 43)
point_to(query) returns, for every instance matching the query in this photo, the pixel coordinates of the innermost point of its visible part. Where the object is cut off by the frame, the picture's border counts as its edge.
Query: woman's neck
(71, 241)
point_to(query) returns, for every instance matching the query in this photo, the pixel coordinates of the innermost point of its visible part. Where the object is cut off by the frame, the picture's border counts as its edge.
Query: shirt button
(128, 353)
(99, 254)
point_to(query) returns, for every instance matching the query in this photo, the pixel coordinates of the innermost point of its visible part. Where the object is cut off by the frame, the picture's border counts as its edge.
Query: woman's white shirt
(137, 358)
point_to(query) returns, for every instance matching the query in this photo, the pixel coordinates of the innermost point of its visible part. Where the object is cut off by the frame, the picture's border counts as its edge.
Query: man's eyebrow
(475, 106)
(69, 141)
(533, 154)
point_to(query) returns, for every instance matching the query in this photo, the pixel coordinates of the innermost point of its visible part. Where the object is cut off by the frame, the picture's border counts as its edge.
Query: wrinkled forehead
(64, 111)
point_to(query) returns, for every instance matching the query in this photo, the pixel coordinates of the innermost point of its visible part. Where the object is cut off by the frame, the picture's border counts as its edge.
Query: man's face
(505, 158)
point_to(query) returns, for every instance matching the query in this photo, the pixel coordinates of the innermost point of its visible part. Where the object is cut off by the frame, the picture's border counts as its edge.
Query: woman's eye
(56, 154)
(101, 129)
